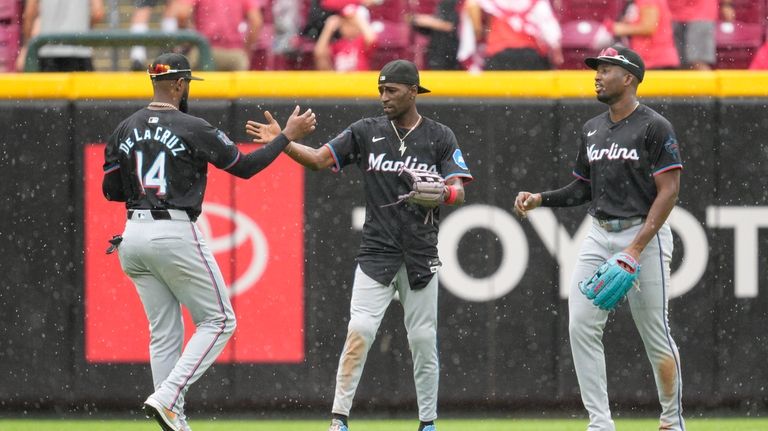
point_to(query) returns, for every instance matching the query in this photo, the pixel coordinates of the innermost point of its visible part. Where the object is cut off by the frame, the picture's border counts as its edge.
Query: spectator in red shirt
(352, 49)
(648, 26)
(522, 34)
(219, 21)
(693, 23)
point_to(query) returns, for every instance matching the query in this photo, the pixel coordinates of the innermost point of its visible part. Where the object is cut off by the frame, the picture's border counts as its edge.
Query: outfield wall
(73, 333)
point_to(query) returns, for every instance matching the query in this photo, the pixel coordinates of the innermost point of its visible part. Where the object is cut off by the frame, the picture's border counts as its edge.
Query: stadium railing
(121, 38)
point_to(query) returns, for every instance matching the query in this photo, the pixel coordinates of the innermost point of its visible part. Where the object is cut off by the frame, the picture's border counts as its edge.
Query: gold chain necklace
(161, 105)
(402, 140)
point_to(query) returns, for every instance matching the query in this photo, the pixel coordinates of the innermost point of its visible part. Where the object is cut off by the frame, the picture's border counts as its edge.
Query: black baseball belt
(620, 224)
(158, 214)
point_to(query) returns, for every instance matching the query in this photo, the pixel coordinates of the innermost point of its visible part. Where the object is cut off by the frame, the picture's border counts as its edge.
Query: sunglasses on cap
(163, 69)
(611, 53)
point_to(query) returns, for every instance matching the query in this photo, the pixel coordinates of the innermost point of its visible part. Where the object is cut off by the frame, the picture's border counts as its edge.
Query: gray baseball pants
(370, 299)
(170, 265)
(648, 305)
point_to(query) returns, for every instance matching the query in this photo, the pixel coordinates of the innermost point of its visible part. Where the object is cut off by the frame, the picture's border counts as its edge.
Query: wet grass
(207, 424)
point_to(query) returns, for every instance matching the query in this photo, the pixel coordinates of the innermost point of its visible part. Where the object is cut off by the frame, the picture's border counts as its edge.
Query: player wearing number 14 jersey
(156, 161)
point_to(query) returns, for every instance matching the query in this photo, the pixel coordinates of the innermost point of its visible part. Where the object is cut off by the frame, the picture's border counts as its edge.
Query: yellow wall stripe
(307, 84)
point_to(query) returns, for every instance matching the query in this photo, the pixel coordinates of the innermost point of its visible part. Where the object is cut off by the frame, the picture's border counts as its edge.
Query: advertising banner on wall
(286, 242)
(256, 237)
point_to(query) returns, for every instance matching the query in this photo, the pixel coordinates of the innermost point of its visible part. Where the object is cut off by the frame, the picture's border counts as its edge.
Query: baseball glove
(427, 188)
(611, 282)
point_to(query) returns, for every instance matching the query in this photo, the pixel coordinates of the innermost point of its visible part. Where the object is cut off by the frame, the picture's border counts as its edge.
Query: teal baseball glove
(611, 282)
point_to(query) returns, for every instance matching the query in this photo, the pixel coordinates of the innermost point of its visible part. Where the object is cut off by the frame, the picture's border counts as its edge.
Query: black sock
(423, 424)
(342, 418)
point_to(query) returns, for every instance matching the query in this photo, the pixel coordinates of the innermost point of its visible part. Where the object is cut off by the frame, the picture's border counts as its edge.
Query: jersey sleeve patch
(458, 158)
(672, 147)
(221, 136)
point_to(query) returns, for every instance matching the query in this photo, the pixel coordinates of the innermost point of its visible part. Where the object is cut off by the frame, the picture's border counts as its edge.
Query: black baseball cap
(620, 56)
(401, 72)
(171, 66)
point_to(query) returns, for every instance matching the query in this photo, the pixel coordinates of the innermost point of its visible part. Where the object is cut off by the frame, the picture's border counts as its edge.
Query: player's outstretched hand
(300, 125)
(263, 133)
(526, 201)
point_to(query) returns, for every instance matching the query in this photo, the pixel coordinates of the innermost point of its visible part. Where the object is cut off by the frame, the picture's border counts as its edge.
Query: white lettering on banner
(514, 246)
(245, 228)
(696, 248)
(745, 221)
(565, 248)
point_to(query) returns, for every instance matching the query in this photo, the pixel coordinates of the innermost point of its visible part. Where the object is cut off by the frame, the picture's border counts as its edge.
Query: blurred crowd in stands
(351, 35)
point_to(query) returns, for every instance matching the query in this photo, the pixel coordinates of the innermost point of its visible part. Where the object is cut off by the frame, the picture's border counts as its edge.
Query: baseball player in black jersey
(398, 253)
(628, 169)
(156, 161)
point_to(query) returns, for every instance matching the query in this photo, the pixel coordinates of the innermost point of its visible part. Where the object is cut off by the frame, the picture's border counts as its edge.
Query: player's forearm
(312, 158)
(658, 214)
(574, 194)
(254, 162)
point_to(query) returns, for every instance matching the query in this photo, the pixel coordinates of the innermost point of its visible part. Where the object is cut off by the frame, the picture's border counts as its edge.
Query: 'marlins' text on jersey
(612, 153)
(164, 136)
(377, 162)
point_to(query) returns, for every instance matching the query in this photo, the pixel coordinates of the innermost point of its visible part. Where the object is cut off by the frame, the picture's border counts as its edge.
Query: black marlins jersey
(163, 157)
(620, 160)
(397, 234)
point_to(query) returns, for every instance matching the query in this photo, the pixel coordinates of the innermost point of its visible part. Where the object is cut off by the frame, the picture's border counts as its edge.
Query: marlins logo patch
(672, 147)
(224, 138)
(458, 158)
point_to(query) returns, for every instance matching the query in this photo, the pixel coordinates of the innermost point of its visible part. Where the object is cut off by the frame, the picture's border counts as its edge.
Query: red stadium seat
(579, 19)
(394, 41)
(737, 42)
(577, 42)
(390, 10)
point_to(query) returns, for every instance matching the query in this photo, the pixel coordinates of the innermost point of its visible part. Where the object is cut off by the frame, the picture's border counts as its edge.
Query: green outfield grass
(698, 424)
